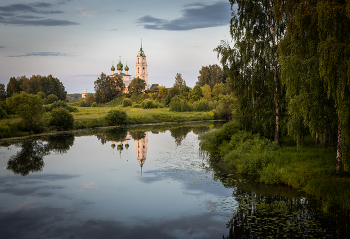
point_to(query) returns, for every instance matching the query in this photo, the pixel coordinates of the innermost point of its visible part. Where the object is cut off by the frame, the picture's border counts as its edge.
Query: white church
(140, 70)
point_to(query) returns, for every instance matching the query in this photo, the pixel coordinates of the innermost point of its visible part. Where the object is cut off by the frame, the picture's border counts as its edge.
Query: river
(146, 182)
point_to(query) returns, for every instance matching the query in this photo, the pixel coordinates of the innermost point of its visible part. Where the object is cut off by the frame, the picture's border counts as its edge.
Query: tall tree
(107, 88)
(315, 56)
(136, 84)
(211, 75)
(253, 65)
(2, 92)
(14, 86)
(179, 83)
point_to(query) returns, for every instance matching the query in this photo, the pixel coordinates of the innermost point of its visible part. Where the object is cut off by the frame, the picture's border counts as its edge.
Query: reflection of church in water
(141, 148)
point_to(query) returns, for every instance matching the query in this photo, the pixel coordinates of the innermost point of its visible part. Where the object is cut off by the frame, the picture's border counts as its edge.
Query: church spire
(141, 46)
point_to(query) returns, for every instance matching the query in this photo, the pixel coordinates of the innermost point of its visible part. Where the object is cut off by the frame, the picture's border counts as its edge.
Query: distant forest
(74, 96)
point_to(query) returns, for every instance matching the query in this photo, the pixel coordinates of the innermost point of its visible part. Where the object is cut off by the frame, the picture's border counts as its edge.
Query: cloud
(86, 186)
(2, 47)
(194, 16)
(42, 54)
(18, 14)
(85, 13)
(27, 8)
(43, 22)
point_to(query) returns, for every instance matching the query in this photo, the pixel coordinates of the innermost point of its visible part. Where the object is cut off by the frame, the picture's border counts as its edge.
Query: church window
(138, 60)
(138, 69)
(143, 70)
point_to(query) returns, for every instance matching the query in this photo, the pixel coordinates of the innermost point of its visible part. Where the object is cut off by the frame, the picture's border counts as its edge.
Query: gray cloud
(2, 47)
(194, 16)
(42, 54)
(27, 8)
(43, 22)
(17, 14)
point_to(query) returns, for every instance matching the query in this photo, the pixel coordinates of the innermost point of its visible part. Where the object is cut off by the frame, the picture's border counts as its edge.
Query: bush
(94, 104)
(83, 103)
(3, 113)
(116, 117)
(127, 102)
(149, 104)
(135, 105)
(58, 104)
(61, 119)
(179, 105)
(202, 105)
(51, 98)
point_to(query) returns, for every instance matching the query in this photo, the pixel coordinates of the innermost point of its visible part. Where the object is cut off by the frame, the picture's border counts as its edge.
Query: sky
(76, 40)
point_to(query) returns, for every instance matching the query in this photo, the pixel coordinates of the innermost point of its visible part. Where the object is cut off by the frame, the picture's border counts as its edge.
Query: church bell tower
(141, 67)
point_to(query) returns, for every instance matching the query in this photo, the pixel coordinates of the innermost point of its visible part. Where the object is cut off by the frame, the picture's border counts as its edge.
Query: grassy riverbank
(309, 168)
(92, 117)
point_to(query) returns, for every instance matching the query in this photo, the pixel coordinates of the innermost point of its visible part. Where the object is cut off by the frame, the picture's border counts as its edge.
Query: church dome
(126, 68)
(120, 66)
(112, 68)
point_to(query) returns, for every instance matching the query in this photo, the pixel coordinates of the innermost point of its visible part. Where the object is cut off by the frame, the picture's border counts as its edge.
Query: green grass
(310, 168)
(95, 115)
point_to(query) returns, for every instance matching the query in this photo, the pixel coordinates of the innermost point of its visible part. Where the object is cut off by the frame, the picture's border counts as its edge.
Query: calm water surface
(144, 183)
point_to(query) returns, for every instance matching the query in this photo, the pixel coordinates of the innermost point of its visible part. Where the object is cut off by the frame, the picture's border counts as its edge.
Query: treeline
(48, 85)
(289, 69)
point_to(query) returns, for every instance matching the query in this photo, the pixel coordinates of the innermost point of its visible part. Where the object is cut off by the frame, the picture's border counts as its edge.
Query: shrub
(202, 105)
(116, 117)
(61, 119)
(127, 102)
(149, 104)
(3, 113)
(94, 104)
(58, 104)
(135, 105)
(83, 103)
(51, 98)
(179, 105)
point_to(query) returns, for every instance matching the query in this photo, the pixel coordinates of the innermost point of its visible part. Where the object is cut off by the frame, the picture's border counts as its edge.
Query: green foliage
(94, 104)
(195, 94)
(83, 103)
(206, 92)
(58, 104)
(51, 99)
(3, 93)
(252, 66)
(41, 94)
(136, 85)
(61, 119)
(107, 88)
(116, 117)
(179, 105)
(127, 102)
(29, 108)
(211, 75)
(3, 113)
(149, 104)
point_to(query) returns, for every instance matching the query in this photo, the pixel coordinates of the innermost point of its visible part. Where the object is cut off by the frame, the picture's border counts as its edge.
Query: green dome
(112, 68)
(120, 66)
(126, 68)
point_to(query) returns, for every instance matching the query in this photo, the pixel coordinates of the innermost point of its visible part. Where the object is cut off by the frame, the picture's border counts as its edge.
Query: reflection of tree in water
(200, 129)
(266, 211)
(180, 133)
(116, 134)
(102, 138)
(60, 143)
(30, 158)
(137, 135)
